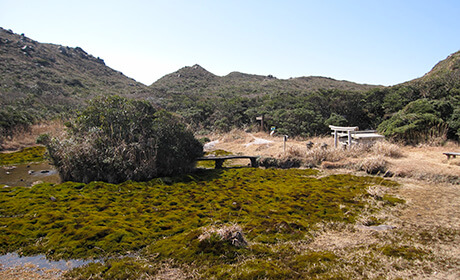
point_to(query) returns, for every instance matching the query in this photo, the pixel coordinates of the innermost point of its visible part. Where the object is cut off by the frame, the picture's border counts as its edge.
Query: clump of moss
(31, 154)
(406, 252)
(168, 220)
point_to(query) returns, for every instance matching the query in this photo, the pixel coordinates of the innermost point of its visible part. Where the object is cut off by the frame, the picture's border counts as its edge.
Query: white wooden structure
(353, 135)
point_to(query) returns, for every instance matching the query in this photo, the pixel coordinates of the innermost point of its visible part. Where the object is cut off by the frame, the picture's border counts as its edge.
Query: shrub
(417, 122)
(115, 139)
(385, 148)
(43, 138)
(373, 165)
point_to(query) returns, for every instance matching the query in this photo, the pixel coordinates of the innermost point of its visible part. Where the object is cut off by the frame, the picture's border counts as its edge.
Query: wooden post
(349, 139)
(253, 162)
(336, 130)
(262, 120)
(284, 141)
(336, 138)
(219, 163)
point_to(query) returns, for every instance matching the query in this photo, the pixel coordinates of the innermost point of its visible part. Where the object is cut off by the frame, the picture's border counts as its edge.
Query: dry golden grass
(29, 271)
(387, 149)
(23, 139)
(425, 162)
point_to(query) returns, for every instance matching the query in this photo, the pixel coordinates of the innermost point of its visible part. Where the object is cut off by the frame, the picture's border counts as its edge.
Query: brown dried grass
(387, 149)
(27, 138)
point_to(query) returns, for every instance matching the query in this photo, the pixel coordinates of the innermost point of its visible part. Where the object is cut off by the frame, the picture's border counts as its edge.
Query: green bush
(454, 123)
(115, 139)
(418, 121)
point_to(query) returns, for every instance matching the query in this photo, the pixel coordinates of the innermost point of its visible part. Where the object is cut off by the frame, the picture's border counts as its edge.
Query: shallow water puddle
(40, 261)
(25, 175)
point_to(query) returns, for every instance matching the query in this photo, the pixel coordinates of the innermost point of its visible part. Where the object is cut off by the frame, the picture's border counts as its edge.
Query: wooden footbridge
(219, 160)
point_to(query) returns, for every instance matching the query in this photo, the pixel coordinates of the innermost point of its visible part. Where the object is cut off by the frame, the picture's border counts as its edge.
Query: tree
(115, 139)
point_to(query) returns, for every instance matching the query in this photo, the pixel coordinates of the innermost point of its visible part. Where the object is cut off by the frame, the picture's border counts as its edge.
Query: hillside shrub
(373, 165)
(454, 123)
(417, 122)
(115, 139)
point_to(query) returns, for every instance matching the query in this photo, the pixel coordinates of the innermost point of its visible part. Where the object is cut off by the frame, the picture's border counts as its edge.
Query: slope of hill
(209, 102)
(196, 79)
(55, 76)
(442, 81)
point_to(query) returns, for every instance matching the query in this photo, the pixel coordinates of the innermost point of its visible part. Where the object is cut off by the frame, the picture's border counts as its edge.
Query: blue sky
(374, 42)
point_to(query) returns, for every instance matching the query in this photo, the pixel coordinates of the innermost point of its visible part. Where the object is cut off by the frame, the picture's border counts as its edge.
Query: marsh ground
(430, 185)
(428, 222)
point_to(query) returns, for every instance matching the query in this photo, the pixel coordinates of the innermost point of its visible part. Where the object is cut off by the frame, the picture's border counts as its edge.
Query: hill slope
(197, 80)
(53, 78)
(442, 81)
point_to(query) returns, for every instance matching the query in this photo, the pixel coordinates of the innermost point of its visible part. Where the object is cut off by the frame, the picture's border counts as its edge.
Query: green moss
(392, 201)
(406, 252)
(125, 268)
(165, 217)
(32, 154)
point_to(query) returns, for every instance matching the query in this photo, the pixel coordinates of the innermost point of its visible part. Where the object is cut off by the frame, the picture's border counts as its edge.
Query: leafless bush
(373, 165)
(318, 155)
(388, 149)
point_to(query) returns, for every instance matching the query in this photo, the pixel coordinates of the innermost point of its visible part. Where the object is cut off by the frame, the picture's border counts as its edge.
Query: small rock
(53, 199)
(31, 172)
(377, 228)
(45, 171)
(388, 174)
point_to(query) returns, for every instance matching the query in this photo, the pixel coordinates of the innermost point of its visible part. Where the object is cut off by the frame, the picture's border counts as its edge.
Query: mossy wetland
(139, 228)
(31, 154)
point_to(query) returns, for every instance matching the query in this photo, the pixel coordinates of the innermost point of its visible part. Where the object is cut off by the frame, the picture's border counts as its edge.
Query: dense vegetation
(175, 218)
(413, 112)
(116, 139)
(45, 81)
